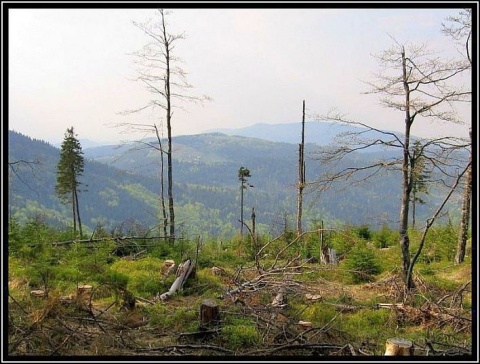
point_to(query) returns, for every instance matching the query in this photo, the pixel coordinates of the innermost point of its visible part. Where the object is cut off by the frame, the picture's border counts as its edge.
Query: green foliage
(240, 333)
(70, 166)
(362, 264)
(363, 232)
(440, 244)
(143, 275)
(35, 263)
(69, 169)
(317, 313)
(366, 325)
(385, 237)
(172, 318)
(206, 284)
(115, 279)
(342, 242)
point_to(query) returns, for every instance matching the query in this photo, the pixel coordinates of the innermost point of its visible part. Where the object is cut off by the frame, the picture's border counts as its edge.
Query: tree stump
(38, 293)
(209, 313)
(84, 292)
(169, 262)
(305, 324)
(400, 347)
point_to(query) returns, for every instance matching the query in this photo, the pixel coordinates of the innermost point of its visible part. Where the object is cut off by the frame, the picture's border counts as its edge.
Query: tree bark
(74, 215)
(162, 183)
(406, 183)
(301, 175)
(77, 205)
(464, 223)
(169, 132)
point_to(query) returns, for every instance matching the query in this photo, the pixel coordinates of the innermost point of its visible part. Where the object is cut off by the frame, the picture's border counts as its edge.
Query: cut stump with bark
(399, 347)
(209, 313)
(38, 293)
(84, 292)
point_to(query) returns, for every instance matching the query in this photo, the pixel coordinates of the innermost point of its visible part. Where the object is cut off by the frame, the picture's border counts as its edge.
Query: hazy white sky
(70, 67)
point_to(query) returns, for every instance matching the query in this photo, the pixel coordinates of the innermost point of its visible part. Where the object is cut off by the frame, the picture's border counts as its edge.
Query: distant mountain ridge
(320, 133)
(121, 185)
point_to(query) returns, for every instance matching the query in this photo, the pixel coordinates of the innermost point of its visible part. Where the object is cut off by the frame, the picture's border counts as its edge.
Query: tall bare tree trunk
(465, 219)
(162, 183)
(406, 182)
(301, 175)
(169, 132)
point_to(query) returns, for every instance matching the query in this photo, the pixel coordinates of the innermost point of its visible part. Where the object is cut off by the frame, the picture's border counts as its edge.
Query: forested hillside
(121, 186)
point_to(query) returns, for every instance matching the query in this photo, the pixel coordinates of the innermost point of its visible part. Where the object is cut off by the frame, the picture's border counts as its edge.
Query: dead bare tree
(459, 28)
(421, 85)
(159, 71)
(301, 174)
(465, 216)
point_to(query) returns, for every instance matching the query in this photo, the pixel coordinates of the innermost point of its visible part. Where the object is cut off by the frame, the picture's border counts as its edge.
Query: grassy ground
(348, 309)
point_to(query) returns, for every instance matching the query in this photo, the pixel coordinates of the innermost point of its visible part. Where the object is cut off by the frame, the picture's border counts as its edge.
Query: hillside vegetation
(348, 308)
(121, 186)
(336, 290)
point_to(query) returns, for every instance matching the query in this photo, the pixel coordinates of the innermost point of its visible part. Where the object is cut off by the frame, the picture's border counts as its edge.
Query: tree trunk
(78, 212)
(413, 208)
(242, 187)
(406, 183)
(74, 215)
(464, 223)
(162, 183)
(301, 175)
(169, 132)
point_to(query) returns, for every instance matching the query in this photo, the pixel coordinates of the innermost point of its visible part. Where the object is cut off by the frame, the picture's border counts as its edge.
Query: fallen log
(183, 272)
(389, 305)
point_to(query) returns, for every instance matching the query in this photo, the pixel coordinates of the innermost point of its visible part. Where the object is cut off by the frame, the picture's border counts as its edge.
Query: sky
(73, 67)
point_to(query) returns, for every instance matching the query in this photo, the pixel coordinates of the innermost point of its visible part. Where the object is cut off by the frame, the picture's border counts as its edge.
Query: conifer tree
(69, 169)
(420, 176)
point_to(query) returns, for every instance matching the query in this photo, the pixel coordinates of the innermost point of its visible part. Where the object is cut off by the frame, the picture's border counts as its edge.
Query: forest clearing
(104, 299)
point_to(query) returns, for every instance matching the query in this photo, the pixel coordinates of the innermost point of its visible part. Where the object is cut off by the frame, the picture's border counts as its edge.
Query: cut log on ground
(390, 305)
(399, 347)
(209, 313)
(183, 272)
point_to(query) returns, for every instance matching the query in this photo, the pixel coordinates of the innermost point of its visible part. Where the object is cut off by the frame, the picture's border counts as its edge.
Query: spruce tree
(69, 169)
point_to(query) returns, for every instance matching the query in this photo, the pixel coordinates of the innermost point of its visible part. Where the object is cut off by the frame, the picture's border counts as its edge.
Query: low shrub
(361, 264)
